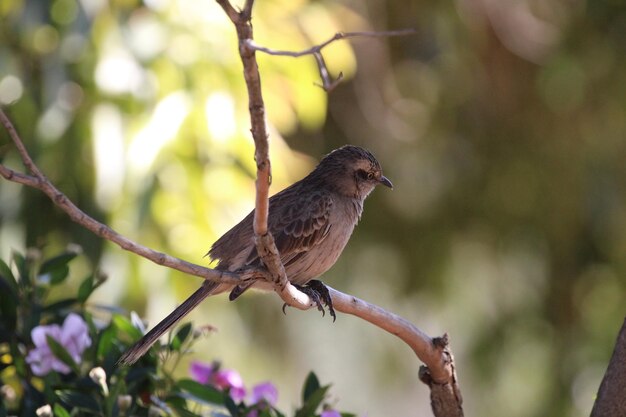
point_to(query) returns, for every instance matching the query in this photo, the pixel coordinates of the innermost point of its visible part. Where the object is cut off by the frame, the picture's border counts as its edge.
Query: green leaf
(79, 400)
(57, 262)
(8, 309)
(123, 324)
(22, 267)
(58, 275)
(61, 305)
(106, 342)
(179, 405)
(202, 393)
(311, 384)
(57, 267)
(181, 411)
(181, 336)
(312, 403)
(59, 411)
(61, 353)
(231, 406)
(7, 275)
(85, 289)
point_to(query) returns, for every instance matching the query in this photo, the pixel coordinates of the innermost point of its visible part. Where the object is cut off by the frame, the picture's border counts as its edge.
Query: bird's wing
(233, 248)
(297, 220)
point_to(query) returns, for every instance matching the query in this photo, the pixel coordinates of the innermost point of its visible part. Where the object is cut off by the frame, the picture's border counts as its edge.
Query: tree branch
(328, 84)
(611, 399)
(40, 182)
(264, 240)
(439, 374)
(337, 36)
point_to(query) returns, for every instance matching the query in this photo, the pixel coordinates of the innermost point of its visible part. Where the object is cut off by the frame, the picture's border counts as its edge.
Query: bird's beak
(385, 181)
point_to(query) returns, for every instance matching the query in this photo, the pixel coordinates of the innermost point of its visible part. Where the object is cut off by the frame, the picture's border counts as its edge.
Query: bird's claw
(322, 294)
(317, 291)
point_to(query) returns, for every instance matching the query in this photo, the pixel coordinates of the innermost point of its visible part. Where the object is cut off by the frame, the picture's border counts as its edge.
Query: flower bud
(44, 411)
(98, 376)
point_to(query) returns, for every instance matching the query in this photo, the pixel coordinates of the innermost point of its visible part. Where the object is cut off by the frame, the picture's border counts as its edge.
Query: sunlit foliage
(500, 123)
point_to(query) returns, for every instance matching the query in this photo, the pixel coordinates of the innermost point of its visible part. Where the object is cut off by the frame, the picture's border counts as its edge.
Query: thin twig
(328, 84)
(26, 159)
(337, 36)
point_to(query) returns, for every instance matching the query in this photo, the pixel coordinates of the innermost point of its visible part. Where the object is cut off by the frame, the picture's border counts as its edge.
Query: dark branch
(337, 36)
(611, 399)
(328, 84)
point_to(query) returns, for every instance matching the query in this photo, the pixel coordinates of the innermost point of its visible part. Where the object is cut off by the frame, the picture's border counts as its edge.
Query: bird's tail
(142, 346)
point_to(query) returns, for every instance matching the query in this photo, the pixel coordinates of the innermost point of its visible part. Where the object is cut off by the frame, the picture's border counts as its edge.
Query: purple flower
(330, 413)
(264, 392)
(224, 379)
(73, 336)
(201, 372)
(230, 379)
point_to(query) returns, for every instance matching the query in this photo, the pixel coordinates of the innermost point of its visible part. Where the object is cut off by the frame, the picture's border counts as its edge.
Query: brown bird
(311, 222)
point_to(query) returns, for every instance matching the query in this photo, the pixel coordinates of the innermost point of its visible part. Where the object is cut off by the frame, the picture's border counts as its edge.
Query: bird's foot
(317, 291)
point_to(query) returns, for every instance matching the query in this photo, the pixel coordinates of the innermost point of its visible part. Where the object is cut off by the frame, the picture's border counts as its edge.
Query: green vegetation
(502, 129)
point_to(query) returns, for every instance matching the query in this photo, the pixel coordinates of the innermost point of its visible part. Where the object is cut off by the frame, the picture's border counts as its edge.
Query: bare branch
(440, 373)
(229, 9)
(435, 354)
(264, 241)
(611, 398)
(246, 13)
(328, 84)
(337, 36)
(26, 159)
(39, 181)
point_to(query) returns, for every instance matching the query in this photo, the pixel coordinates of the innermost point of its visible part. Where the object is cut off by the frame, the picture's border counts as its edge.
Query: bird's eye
(364, 175)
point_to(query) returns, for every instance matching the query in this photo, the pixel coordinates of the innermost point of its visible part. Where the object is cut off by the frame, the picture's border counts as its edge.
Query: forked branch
(328, 83)
(440, 373)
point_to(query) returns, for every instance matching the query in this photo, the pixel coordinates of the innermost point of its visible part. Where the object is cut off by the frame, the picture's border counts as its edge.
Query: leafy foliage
(95, 386)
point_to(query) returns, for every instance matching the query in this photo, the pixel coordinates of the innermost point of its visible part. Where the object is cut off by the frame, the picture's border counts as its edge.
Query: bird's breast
(322, 257)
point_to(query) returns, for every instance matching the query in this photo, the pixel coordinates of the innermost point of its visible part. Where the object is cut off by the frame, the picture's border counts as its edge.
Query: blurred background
(501, 124)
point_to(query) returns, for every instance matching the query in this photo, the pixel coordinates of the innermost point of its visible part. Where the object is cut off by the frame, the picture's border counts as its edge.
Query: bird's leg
(313, 295)
(318, 287)
(318, 292)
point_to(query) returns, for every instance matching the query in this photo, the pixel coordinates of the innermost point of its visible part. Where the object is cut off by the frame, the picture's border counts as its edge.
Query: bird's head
(352, 171)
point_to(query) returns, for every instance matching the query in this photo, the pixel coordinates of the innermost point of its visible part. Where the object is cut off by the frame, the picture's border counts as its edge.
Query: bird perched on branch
(311, 221)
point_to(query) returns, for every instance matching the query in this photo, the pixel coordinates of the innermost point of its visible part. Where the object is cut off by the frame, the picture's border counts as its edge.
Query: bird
(311, 222)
